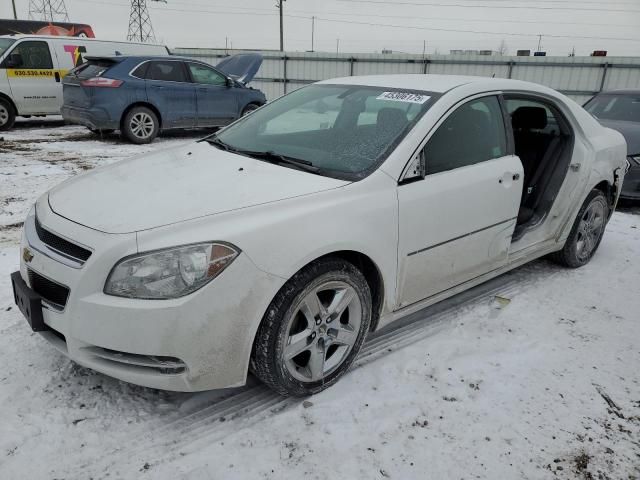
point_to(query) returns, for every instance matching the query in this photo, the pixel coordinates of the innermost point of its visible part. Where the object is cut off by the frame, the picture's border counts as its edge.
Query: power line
(460, 5)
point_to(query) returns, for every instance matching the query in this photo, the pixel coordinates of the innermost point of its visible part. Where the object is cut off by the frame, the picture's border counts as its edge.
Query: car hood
(242, 67)
(629, 130)
(176, 185)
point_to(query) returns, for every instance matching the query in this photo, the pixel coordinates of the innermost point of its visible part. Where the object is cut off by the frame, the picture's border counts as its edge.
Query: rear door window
(167, 71)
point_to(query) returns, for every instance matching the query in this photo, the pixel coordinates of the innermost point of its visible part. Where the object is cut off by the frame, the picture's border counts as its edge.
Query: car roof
(621, 91)
(142, 58)
(20, 36)
(433, 82)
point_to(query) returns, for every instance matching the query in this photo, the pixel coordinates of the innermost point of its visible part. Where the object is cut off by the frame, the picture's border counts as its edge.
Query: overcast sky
(399, 25)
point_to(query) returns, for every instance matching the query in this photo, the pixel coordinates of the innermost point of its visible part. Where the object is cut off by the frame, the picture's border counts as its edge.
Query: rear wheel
(586, 233)
(313, 329)
(140, 125)
(7, 114)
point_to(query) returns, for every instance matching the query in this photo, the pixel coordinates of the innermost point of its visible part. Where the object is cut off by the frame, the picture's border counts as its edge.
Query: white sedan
(276, 245)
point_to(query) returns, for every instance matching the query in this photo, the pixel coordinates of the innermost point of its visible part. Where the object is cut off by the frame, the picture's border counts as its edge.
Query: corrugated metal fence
(577, 77)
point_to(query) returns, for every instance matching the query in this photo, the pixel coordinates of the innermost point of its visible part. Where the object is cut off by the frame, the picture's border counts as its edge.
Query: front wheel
(586, 233)
(249, 108)
(7, 115)
(313, 329)
(140, 125)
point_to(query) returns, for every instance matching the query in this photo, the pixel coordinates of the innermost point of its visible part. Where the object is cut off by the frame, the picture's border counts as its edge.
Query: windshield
(344, 131)
(615, 107)
(5, 43)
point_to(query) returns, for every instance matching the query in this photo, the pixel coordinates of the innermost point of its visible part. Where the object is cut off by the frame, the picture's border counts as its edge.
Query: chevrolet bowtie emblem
(27, 256)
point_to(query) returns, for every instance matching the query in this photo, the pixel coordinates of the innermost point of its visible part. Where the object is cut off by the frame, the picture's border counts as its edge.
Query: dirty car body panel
(100, 92)
(384, 185)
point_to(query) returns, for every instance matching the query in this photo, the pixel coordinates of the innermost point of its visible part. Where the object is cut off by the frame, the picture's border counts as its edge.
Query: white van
(32, 67)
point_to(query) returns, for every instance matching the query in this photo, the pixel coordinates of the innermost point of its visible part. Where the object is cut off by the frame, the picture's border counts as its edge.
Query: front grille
(61, 245)
(49, 290)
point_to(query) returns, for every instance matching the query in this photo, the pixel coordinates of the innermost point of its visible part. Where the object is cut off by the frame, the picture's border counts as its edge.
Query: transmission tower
(48, 10)
(140, 28)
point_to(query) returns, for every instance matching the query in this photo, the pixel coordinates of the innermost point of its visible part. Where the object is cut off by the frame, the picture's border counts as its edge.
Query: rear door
(217, 100)
(456, 223)
(170, 90)
(34, 80)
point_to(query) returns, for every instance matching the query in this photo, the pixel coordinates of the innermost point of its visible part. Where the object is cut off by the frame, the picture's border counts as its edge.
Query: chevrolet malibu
(276, 245)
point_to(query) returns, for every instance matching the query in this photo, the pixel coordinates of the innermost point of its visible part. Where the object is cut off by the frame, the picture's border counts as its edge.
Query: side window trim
(417, 153)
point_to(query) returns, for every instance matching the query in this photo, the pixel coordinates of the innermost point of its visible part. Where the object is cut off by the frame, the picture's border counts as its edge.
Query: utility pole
(15, 15)
(280, 5)
(539, 43)
(337, 45)
(313, 27)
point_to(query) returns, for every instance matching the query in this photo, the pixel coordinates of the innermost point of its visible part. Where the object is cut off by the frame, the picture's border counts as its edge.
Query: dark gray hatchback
(140, 96)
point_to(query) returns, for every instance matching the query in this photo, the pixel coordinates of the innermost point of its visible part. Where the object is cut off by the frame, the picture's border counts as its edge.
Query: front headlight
(170, 273)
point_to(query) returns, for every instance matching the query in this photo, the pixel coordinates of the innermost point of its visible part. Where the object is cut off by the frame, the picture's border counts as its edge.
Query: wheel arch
(372, 275)
(609, 192)
(141, 104)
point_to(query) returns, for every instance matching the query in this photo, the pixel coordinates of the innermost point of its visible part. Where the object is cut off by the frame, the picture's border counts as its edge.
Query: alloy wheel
(322, 331)
(142, 125)
(590, 230)
(4, 115)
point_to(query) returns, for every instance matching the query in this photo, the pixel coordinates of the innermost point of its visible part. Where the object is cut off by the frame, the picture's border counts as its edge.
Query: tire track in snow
(250, 404)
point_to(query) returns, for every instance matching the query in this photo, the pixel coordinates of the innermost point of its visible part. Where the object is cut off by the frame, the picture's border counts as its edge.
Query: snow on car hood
(177, 185)
(243, 66)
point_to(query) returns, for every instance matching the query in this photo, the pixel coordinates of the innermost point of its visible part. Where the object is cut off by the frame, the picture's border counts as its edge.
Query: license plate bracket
(29, 302)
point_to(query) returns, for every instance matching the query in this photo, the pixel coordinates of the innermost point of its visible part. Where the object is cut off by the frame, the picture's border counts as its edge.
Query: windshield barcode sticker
(404, 97)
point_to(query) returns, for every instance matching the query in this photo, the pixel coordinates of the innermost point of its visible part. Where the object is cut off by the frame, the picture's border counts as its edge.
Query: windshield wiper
(277, 158)
(220, 144)
(268, 156)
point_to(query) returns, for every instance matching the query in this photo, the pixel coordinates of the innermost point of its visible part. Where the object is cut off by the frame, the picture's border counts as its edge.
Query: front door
(217, 101)
(172, 93)
(457, 222)
(34, 81)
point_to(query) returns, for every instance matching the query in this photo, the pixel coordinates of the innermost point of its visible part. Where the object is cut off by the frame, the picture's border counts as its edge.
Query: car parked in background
(32, 68)
(620, 110)
(140, 96)
(278, 243)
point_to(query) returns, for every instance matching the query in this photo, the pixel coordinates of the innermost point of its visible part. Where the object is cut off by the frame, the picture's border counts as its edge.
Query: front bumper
(631, 185)
(94, 118)
(199, 342)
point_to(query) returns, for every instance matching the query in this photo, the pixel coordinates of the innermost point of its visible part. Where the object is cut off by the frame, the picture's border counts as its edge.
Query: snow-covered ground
(534, 375)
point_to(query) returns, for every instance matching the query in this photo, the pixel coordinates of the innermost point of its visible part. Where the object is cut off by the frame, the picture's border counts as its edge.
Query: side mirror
(230, 82)
(14, 61)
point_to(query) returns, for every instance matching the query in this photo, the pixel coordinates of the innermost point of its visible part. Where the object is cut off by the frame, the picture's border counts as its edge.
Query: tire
(249, 108)
(140, 125)
(313, 328)
(7, 114)
(586, 233)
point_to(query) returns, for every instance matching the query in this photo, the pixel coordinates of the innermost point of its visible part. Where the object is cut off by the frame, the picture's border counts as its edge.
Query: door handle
(56, 75)
(516, 176)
